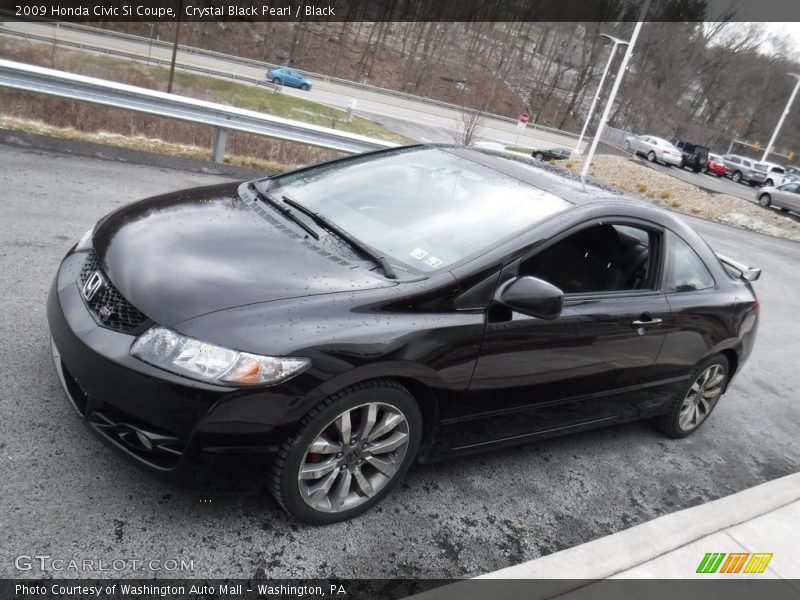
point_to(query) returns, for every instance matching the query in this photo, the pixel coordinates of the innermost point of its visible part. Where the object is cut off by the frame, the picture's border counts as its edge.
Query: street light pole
(783, 116)
(616, 42)
(613, 94)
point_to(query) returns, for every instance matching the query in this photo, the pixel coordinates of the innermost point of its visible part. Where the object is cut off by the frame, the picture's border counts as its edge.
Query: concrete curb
(624, 550)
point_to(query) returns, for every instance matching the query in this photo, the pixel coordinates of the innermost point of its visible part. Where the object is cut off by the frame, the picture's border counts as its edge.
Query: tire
(651, 156)
(538, 156)
(276, 81)
(769, 183)
(704, 169)
(737, 176)
(690, 408)
(304, 87)
(765, 200)
(363, 474)
(627, 146)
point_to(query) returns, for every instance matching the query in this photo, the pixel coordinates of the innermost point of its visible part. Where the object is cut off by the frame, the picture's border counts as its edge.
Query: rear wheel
(651, 156)
(764, 200)
(694, 403)
(304, 87)
(627, 146)
(538, 156)
(705, 169)
(737, 176)
(276, 81)
(348, 453)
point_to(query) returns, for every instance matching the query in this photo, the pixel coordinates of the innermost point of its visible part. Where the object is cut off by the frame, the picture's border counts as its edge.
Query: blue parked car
(290, 77)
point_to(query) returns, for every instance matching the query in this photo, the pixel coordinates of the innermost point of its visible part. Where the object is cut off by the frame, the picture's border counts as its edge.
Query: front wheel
(765, 200)
(348, 453)
(704, 170)
(769, 183)
(693, 405)
(737, 177)
(651, 156)
(304, 87)
(538, 156)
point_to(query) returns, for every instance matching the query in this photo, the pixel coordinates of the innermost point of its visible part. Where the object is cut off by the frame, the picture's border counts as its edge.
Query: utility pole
(175, 47)
(616, 43)
(614, 89)
(783, 116)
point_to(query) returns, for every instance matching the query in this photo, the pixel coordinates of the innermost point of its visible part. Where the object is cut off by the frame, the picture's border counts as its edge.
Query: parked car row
(682, 153)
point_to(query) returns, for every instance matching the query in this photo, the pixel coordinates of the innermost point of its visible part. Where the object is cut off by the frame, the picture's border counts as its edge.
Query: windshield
(425, 208)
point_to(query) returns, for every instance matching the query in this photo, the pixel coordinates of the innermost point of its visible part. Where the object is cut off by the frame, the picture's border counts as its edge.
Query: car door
(788, 196)
(586, 367)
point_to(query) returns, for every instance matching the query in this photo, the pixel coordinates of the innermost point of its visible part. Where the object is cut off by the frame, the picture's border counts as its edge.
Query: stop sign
(523, 118)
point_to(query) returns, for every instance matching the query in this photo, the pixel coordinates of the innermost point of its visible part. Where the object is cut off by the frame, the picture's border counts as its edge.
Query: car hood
(197, 251)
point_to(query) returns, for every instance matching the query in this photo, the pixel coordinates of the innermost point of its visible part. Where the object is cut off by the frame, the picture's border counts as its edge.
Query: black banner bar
(401, 10)
(733, 588)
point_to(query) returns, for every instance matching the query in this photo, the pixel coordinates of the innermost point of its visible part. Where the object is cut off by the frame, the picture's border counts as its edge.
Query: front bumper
(167, 424)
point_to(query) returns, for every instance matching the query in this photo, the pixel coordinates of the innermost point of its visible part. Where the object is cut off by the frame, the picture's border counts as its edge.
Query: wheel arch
(424, 384)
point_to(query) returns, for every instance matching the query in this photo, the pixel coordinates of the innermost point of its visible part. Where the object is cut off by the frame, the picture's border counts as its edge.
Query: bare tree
(469, 126)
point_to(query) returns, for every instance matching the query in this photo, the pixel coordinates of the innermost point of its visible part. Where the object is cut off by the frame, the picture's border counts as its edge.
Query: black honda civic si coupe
(342, 321)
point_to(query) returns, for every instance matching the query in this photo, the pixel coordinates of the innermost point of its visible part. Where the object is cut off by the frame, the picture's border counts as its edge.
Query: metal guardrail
(265, 65)
(224, 118)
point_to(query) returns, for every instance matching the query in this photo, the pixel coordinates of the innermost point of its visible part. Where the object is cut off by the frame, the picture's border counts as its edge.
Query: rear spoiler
(740, 270)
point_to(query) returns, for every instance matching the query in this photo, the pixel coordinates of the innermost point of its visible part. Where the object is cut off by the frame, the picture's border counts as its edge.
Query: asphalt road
(64, 494)
(421, 121)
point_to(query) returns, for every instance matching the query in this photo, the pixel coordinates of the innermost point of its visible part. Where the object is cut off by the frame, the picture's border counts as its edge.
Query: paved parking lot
(64, 494)
(710, 183)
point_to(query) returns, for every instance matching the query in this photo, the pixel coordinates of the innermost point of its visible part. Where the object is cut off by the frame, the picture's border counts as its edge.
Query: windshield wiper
(388, 270)
(287, 213)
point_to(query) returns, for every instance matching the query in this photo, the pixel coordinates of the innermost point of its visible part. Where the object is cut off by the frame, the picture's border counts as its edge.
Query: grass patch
(263, 99)
(641, 188)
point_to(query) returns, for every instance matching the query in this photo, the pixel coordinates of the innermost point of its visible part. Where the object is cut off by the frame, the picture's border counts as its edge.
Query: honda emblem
(93, 285)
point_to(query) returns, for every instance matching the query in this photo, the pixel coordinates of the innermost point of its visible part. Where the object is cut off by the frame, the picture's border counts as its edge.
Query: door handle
(651, 323)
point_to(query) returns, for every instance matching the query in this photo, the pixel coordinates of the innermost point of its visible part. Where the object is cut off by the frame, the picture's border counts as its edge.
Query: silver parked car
(655, 149)
(786, 196)
(743, 169)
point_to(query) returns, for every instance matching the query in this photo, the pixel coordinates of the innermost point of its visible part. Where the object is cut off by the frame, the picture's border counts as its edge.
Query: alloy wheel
(701, 397)
(354, 456)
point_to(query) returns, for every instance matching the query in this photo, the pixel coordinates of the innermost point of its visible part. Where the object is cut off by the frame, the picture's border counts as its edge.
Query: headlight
(85, 243)
(179, 354)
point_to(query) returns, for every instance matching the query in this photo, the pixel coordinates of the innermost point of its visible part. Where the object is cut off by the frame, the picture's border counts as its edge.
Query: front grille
(110, 307)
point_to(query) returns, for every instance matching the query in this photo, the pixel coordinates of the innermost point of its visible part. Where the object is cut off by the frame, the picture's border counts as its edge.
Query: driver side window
(600, 258)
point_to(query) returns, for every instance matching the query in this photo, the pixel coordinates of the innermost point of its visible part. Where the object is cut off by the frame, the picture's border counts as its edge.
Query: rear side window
(688, 273)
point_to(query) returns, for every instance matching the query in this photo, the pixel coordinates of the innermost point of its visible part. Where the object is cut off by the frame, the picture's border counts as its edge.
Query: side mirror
(532, 296)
